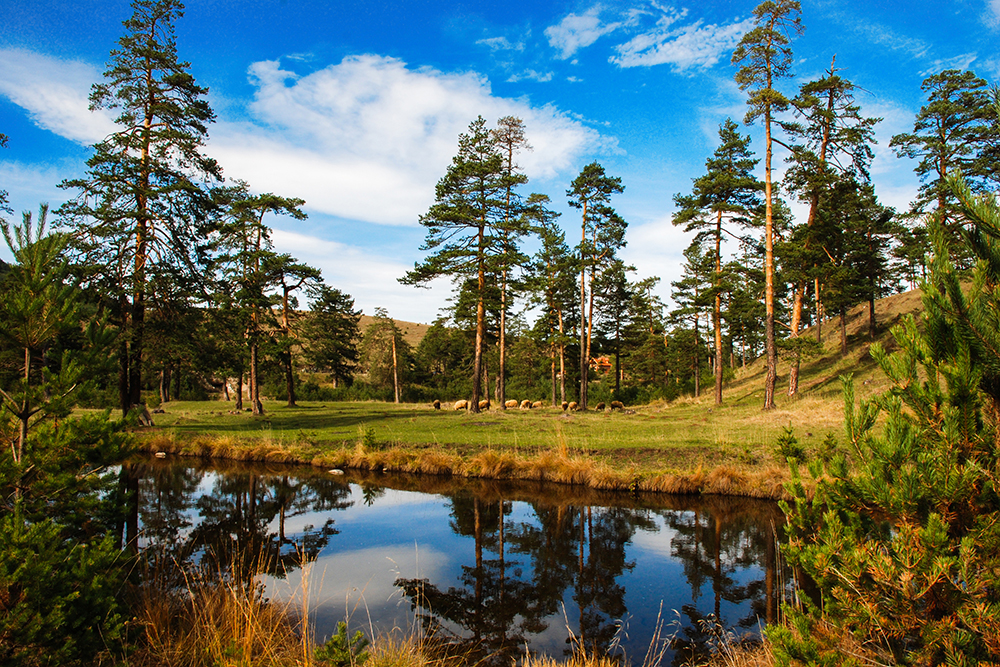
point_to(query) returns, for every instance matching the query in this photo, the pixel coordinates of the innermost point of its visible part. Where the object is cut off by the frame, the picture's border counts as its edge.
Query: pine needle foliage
(903, 535)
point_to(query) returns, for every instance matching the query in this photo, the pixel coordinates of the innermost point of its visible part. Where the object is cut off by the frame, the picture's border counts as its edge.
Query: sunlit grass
(686, 445)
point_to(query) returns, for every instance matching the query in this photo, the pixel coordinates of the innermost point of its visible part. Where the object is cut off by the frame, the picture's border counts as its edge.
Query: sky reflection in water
(408, 552)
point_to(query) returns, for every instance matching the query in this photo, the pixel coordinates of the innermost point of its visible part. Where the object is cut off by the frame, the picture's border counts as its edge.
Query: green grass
(685, 436)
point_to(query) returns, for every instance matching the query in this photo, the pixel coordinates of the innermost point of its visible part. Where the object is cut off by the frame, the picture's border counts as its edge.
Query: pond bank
(620, 472)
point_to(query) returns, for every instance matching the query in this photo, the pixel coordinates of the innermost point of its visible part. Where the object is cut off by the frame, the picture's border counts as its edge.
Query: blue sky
(356, 106)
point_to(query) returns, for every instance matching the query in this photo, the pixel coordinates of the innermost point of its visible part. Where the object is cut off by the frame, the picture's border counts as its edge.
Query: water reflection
(487, 568)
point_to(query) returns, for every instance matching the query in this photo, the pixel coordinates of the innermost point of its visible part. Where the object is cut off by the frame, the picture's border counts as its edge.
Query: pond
(490, 568)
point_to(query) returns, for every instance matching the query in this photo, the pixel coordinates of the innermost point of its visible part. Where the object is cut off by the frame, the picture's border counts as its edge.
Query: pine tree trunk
(164, 384)
(255, 404)
(289, 378)
(139, 272)
(395, 369)
(843, 331)
(502, 371)
(135, 349)
(618, 359)
(717, 310)
(771, 377)
(697, 361)
(590, 331)
(793, 372)
(176, 376)
(872, 325)
(477, 364)
(123, 357)
(819, 313)
(583, 313)
(552, 356)
(562, 360)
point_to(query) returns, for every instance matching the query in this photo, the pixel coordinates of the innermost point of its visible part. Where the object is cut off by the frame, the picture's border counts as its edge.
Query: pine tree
(250, 268)
(727, 193)
(551, 280)
(763, 56)
(692, 294)
(385, 354)
(901, 536)
(141, 204)
(830, 138)
(290, 276)
(38, 303)
(462, 228)
(955, 130)
(331, 331)
(602, 234)
(510, 140)
(615, 297)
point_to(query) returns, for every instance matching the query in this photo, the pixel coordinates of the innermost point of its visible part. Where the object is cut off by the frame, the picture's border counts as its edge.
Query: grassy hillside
(413, 332)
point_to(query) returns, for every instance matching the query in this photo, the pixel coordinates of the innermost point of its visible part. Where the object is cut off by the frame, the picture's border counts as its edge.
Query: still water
(489, 567)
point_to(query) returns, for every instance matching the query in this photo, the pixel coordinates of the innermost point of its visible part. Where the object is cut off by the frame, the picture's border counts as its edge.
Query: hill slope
(413, 332)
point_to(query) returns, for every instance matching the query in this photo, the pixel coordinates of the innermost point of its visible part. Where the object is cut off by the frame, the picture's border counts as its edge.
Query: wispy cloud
(881, 35)
(55, 93)
(960, 62)
(530, 75)
(684, 47)
(991, 66)
(659, 35)
(992, 16)
(577, 31)
(501, 44)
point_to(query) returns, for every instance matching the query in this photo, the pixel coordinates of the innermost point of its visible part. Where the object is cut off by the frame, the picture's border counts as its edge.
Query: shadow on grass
(284, 419)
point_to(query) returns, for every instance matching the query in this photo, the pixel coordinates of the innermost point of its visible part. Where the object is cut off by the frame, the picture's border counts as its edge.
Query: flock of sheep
(572, 406)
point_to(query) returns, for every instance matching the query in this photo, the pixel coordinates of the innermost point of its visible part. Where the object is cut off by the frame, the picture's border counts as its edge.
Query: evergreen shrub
(903, 542)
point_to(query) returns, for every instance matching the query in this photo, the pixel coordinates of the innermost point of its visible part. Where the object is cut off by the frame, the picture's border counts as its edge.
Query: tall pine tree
(463, 228)
(602, 234)
(142, 201)
(726, 195)
(763, 55)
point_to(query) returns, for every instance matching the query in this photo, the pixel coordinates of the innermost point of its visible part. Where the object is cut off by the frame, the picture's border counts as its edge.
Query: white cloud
(683, 47)
(368, 138)
(368, 277)
(657, 249)
(365, 139)
(576, 31)
(54, 93)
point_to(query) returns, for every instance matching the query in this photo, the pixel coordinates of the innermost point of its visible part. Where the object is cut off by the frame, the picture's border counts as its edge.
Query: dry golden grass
(545, 466)
(577, 660)
(217, 622)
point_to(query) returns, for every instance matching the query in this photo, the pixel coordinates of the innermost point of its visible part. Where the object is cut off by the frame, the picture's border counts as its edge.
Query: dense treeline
(178, 266)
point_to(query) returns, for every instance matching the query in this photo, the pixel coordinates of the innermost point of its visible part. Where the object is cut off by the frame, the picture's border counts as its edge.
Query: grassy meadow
(675, 446)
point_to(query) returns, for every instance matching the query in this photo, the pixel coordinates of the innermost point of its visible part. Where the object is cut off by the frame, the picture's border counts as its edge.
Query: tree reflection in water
(235, 529)
(526, 567)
